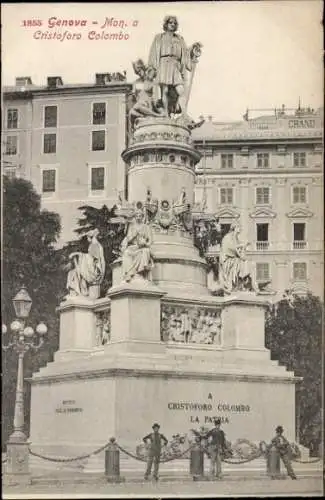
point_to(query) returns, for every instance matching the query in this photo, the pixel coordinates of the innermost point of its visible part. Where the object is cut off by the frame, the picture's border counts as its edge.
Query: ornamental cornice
(299, 287)
(262, 213)
(103, 304)
(78, 302)
(164, 258)
(228, 212)
(239, 173)
(305, 252)
(174, 166)
(209, 301)
(282, 134)
(169, 146)
(121, 88)
(136, 290)
(299, 213)
(175, 373)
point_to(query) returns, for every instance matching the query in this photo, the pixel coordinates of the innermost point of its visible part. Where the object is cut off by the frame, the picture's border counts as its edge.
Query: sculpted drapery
(167, 88)
(234, 269)
(88, 269)
(136, 249)
(170, 58)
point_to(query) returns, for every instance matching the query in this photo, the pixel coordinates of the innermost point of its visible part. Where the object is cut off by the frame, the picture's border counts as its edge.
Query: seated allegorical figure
(86, 270)
(136, 249)
(145, 104)
(235, 271)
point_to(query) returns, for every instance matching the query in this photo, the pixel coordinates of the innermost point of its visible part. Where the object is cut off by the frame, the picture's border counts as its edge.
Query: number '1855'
(32, 22)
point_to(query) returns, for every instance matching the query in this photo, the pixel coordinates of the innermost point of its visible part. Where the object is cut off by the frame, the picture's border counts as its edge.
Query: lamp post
(24, 338)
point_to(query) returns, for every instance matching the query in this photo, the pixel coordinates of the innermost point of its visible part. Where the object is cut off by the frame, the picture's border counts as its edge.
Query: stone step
(101, 479)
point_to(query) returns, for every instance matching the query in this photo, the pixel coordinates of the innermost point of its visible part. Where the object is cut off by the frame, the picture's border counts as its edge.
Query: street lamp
(24, 338)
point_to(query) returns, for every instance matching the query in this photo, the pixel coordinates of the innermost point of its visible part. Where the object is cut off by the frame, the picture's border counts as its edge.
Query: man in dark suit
(155, 440)
(217, 440)
(283, 448)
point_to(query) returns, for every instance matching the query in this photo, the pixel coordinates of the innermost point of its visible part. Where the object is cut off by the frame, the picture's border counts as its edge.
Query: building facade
(67, 140)
(266, 172)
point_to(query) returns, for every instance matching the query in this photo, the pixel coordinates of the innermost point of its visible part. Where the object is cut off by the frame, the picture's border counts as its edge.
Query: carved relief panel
(103, 327)
(191, 325)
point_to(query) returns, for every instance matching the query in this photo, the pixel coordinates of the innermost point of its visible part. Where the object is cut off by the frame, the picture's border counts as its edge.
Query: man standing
(155, 444)
(283, 448)
(218, 443)
(170, 57)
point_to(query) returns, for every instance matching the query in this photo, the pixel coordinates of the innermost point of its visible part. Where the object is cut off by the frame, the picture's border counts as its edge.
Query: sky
(255, 54)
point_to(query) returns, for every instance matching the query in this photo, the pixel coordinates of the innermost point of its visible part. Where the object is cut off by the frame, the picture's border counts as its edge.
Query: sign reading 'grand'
(302, 123)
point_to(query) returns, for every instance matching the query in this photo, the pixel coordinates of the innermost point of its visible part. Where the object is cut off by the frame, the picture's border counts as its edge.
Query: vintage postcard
(162, 249)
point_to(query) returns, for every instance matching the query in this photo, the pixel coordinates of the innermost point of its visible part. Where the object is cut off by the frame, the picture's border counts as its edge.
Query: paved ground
(304, 486)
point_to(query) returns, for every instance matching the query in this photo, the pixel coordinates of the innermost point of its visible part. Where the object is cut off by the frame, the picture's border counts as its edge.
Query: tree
(111, 232)
(294, 336)
(29, 257)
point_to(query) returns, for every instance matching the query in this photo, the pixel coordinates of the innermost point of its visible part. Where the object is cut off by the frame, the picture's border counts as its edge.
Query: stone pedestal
(17, 467)
(135, 314)
(244, 321)
(77, 324)
(161, 157)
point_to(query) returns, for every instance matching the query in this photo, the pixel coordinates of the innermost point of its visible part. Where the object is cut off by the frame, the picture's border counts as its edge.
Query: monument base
(120, 389)
(77, 408)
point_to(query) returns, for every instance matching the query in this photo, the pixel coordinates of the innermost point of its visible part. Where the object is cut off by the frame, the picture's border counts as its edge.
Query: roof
(265, 126)
(29, 90)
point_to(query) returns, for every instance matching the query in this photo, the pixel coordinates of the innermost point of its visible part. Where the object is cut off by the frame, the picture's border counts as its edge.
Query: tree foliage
(111, 233)
(29, 257)
(294, 336)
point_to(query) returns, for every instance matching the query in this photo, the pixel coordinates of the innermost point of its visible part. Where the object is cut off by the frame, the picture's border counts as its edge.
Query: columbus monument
(165, 343)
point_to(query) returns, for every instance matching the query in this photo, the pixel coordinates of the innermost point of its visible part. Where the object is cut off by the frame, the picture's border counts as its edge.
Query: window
(299, 159)
(48, 181)
(262, 236)
(10, 172)
(227, 161)
(50, 116)
(299, 271)
(299, 231)
(97, 178)
(12, 118)
(49, 143)
(262, 271)
(299, 235)
(98, 140)
(11, 145)
(99, 113)
(299, 194)
(225, 228)
(226, 196)
(262, 196)
(263, 160)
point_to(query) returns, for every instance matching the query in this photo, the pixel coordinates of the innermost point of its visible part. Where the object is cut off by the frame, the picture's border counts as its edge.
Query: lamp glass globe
(15, 326)
(28, 331)
(41, 329)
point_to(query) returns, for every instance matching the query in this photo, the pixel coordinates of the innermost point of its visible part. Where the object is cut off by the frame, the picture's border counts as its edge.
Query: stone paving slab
(306, 487)
(96, 478)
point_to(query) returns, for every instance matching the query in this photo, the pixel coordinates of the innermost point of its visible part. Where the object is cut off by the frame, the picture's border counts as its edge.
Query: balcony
(262, 245)
(299, 245)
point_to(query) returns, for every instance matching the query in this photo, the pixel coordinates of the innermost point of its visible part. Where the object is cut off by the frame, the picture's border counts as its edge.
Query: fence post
(112, 463)
(197, 462)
